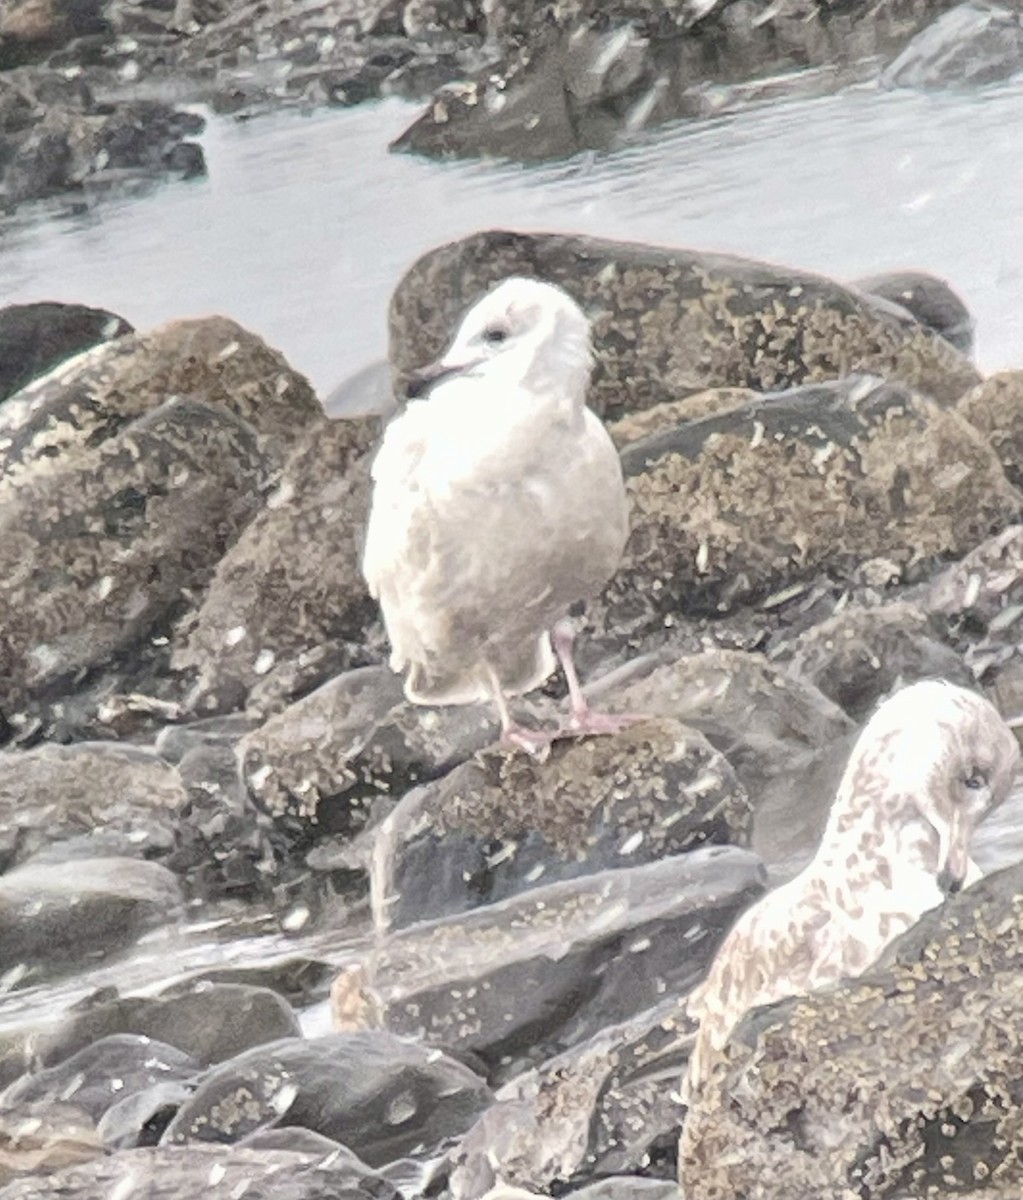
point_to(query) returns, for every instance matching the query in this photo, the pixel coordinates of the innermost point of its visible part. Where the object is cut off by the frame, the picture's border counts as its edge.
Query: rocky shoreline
(198, 727)
(92, 91)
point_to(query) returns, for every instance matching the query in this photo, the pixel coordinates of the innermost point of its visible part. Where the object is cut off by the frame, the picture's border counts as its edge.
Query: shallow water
(306, 223)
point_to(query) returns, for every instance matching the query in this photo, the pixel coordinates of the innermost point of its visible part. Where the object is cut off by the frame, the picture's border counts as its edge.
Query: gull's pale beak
(953, 855)
(420, 382)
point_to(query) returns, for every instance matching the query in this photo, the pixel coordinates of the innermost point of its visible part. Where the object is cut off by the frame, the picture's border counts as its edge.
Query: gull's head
(938, 757)
(523, 331)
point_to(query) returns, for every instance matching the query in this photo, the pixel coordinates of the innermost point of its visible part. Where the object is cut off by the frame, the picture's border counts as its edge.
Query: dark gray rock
(208, 1021)
(29, 29)
(116, 795)
(903, 1082)
(927, 298)
(291, 585)
(35, 338)
(975, 43)
(97, 552)
(502, 823)
(214, 1172)
(658, 315)
(860, 655)
(519, 981)
(54, 920)
(383, 1096)
(102, 1074)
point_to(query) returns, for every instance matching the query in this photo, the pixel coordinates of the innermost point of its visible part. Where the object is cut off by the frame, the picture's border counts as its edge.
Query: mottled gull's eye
(976, 780)
(495, 335)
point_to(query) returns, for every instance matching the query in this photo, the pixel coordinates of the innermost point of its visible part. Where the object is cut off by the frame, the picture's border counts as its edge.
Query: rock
(209, 1022)
(54, 920)
(903, 1082)
(668, 322)
(102, 1074)
(383, 1096)
(860, 655)
(995, 407)
(214, 1172)
(95, 555)
(367, 393)
(729, 508)
(119, 796)
(317, 767)
(638, 425)
(212, 361)
(292, 583)
(35, 338)
(44, 1139)
(607, 1106)
(972, 44)
(927, 298)
(521, 980)
(501, 822)
(786, 741)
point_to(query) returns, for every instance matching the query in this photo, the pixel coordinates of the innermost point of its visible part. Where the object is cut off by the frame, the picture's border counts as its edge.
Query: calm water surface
(306, 223)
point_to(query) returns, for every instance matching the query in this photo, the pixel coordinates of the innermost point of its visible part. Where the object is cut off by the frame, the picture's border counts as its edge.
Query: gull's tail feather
(520, 670)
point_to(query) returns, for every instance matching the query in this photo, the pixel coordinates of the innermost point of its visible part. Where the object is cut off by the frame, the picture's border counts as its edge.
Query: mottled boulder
(927, 298)
(102, 1074)
(291, 585)
(609, 1105)
(54, 919)
(97, 552)
(212, 361)
(786, 741)
(35, 338)
(731, 507)
(667, 322)
(42, 1139)
(214, 1172)
(634, 427)
(502, 823)
(122, 797)
(208, 1021)
(523, 979)
(903, 1083)
(383, 1096)
(974, 44)
(860, 655)
(995, 407)
(317, 767)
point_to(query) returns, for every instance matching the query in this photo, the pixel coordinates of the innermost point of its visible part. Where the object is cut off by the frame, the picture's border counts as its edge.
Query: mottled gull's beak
(420, 382)
(953, 855)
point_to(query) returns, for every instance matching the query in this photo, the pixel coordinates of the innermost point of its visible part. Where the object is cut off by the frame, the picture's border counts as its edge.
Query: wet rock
(972, 44)
(53, 919)
(29, 28)
(95, 555)
(521, 980)
(215, 1172)
(118, 796)
(927, 298)
(208, 1021)
(633, 427)
(860, 655)
(211, 360)
(903, 1082)
(995, 407)
(102, 1074)
(384, 1097)
(668, 322)
(291, 584)
(786, 741)
(502, 823)
(609, 1105)
(733, 507)
(42, 1139)
(35, 338)
(318, 766)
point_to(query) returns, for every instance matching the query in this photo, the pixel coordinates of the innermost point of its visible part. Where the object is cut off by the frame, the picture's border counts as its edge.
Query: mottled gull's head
(522, 332)
(937, 756)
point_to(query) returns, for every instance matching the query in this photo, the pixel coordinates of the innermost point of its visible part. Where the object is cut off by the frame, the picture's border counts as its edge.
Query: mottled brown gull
(929, 765)
(498, 504)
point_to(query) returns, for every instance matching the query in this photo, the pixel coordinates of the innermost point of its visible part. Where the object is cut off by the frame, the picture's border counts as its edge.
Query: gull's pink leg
(582, 719)
(535, 742)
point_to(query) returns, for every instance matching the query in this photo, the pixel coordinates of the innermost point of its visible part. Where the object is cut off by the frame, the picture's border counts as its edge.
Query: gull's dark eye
(976, 780)
(495, 335)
